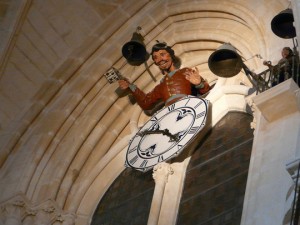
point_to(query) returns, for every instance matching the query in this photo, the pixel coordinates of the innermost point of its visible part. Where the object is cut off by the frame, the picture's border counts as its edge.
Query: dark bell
(135, 51)
(225, 61)
(282, 24)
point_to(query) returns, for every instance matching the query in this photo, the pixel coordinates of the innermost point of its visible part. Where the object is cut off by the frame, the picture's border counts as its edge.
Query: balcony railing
(269, 78)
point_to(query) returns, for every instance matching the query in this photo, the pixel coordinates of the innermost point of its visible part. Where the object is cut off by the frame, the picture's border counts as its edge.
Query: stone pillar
(161, 173)
(276, 142)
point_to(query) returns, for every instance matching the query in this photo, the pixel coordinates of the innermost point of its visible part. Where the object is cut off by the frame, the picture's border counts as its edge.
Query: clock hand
(171, 136)
(163, 132)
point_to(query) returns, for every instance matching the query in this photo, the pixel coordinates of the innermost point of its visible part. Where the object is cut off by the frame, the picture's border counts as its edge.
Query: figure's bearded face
(162, 59)
(285, 53)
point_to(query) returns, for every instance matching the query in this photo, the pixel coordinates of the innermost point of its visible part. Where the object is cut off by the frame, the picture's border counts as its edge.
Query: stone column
(161, 173)
(276, 142)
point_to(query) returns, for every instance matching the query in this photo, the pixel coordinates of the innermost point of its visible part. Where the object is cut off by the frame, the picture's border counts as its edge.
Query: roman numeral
(187, 102)
(134, 159)
(132, 150)
(160, 158)
(171, 107)
(193, 130)
(200, 103)
(179, 146)
(144, 163)
(200, 115)
(153, 119)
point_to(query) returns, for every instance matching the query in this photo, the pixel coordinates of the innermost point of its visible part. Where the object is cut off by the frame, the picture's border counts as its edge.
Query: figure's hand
(123, 84)
(193, 76)
(267, 63)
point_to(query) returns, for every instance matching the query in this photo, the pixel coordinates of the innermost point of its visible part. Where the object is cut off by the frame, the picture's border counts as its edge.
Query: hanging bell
(225, 61)
(135, 51)
(282, 24)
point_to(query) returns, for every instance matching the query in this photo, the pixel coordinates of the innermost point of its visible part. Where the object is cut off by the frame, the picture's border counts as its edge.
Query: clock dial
(167, 133)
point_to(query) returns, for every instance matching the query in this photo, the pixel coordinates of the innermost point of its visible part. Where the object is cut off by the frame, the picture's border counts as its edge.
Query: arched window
(127, 201)
(216, 177)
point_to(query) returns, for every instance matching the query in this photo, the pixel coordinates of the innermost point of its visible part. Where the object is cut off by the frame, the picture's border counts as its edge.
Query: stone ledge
(279, 101)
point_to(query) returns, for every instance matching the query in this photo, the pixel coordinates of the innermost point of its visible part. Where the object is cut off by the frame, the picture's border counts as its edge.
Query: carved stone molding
(254, 112)
(162, 171)
(18, 210)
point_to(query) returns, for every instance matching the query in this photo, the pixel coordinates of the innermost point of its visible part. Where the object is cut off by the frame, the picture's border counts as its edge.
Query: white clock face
(167, 133)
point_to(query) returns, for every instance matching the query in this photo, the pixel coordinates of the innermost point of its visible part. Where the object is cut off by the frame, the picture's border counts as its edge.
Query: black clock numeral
(196, 106)
(187, 102)
(171, 107)
(193, 130)
(200, 114)
(132, 150)
(160, 158)
(134, 159)
(144, 163)
(153, 119)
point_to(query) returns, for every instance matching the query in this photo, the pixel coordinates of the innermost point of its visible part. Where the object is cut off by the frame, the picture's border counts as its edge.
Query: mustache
(161, 62)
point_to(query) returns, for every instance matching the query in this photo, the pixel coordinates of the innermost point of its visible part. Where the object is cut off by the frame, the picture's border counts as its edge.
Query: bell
(282, 24)
(225, 61)
(135, 51)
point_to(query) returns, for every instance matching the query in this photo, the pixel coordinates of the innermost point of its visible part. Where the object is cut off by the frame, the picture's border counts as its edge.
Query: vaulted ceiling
(60, 116)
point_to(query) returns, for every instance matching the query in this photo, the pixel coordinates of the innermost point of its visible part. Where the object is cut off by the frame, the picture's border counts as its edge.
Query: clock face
(167, 133)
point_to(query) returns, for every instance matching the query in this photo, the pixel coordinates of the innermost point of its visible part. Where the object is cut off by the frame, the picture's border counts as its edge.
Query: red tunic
(175, 85)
